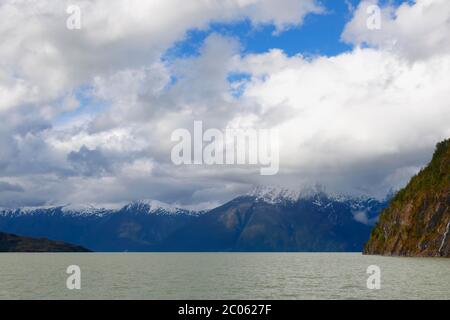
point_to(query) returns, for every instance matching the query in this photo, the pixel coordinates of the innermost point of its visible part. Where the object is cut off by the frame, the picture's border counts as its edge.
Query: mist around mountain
(268, 219)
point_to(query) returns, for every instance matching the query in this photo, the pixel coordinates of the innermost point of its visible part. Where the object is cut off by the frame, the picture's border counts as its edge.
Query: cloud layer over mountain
(87, 115)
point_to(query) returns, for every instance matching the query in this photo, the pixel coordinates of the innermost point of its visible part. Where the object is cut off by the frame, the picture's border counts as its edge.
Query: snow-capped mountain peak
(271, 194)
(317, 193)
(87, 210)
(151, 206)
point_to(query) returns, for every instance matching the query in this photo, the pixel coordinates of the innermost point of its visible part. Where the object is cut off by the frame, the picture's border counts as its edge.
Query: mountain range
(267, 219)
(414, 222)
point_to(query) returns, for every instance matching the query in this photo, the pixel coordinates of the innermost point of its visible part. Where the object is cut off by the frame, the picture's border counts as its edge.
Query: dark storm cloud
(5, 186)
(90, 163)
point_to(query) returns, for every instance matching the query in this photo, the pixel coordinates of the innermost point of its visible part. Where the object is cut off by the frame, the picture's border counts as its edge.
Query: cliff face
(417, 221)
(13, 243)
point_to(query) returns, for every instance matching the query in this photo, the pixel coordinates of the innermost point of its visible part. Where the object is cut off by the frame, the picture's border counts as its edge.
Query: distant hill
(417, 221)
(269, 219)
(13, 243)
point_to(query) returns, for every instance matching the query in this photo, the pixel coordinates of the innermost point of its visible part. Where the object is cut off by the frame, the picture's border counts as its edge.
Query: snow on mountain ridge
(151, 206)
(276, 194)
(87, 210)
(268, 194)
(147, 206)
(24, 210)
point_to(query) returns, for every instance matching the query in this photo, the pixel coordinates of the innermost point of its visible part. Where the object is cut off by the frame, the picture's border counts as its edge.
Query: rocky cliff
(417, 221)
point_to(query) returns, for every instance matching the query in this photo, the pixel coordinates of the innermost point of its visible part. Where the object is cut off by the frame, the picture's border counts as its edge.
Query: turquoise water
(221, 276)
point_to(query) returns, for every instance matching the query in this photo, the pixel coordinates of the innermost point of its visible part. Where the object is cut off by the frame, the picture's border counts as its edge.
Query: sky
(87, 114)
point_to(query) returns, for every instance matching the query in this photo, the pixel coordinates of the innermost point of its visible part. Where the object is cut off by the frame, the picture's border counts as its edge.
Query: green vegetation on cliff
(417, 221)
